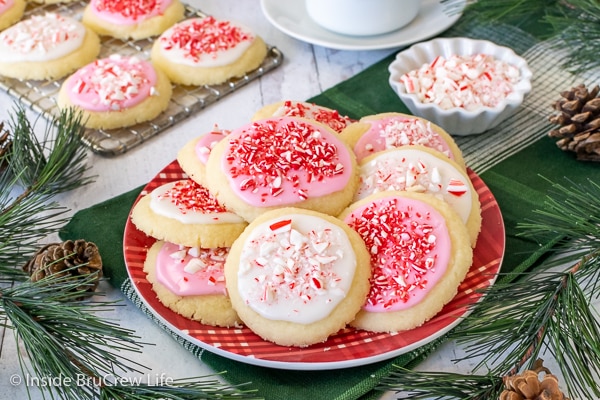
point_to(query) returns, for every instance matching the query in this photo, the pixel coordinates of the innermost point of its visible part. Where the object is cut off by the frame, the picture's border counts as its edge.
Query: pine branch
(576, 22)
(41, 170)
(61, 336)
(441, 385)
(545, 309)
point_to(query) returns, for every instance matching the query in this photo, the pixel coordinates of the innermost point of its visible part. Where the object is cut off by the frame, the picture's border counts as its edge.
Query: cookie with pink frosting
(303, 109)
(191, 282)
(282, 162)
(207, 51)
(423, 170)
(132, 19)
(185, 213)
(419, 251)
(11, 11)
(116, 92)
(48, 46)
(297, 276)
(384, 131)
(192, 157)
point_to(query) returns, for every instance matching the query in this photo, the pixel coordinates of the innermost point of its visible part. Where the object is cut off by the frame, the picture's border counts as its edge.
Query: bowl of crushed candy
(466, 86)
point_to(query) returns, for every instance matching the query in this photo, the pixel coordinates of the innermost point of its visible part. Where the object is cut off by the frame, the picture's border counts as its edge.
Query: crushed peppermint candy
(401, 243)
(131, 9)
(331, 118)
(188, 196)
(296, 264)
(273, 151)
(115, 81)
(207, 36)
(468, 82)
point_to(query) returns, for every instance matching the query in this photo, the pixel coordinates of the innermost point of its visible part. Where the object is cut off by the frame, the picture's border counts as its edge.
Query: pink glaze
(189, 271)
(112, 84)
(282, 161)
(205, 144)
(331, 118)
(390, 132)
(5, 5)
(410, 249)
(128, 12)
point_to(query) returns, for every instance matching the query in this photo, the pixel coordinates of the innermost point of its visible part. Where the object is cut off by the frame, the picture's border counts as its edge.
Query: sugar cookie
(207, 51)
(116, 92)
(282, 161)
(291, 108)
(185, 213)
(379, 132)
(296, 276)
(132, 19)
(190, 282)
(420, 169)
(48, 46)
(420, 253)
(192, 157)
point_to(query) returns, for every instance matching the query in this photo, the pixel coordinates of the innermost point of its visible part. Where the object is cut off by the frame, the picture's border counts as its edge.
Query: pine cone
(78, 259)
(528, 386)
(579, 122)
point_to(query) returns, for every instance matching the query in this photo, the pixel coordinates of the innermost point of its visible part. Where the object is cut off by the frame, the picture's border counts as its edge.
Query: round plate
(291, 18)
(347, 348)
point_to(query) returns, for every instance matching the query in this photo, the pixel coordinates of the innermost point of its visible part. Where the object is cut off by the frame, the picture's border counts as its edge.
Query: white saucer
(291, 18)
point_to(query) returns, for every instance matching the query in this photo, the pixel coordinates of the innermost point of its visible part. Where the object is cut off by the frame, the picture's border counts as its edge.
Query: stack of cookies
(331, 222)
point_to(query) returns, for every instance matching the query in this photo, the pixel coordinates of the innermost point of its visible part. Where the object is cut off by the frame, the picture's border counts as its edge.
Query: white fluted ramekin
(459, 121)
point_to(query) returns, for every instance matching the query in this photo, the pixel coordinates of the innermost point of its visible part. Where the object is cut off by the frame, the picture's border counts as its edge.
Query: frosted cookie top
(189, 203)
(413, 169)
(296, 268)
(410, 249)
(282, 161)
(5, 5)
(390, 132)
(41, 38)
(324, 115)
(128, 12)
(205, 42)
(191, 271)
(205, 144)
(112, 84)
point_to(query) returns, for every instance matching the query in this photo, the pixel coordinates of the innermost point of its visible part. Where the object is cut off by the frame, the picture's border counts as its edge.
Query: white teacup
(362, 17)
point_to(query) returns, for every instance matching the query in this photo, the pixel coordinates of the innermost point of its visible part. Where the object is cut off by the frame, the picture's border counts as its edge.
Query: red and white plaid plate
(347, 348)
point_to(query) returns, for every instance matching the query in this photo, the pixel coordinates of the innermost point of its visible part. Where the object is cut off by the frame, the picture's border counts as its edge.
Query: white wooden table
(307, 71)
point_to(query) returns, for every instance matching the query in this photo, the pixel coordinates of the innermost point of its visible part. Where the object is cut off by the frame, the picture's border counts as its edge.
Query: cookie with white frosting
(48, 46)
(191, 282)
(207, 51)
(132, 19)
(303, 109)
(185, 213)
(421, 169)
(420, 253)
(116, 92)
(296, 276)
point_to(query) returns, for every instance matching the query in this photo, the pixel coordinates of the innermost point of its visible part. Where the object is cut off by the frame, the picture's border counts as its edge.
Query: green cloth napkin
(517, 184)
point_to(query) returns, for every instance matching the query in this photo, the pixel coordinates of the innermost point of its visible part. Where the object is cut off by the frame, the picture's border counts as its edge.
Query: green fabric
(517, 183)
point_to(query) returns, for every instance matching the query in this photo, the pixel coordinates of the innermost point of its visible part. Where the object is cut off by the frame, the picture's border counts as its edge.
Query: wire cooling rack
(185, 101)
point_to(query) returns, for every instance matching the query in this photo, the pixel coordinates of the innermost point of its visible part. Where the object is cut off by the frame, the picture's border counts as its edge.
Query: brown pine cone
(578, 118)
(529, 386)
(78, 259)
